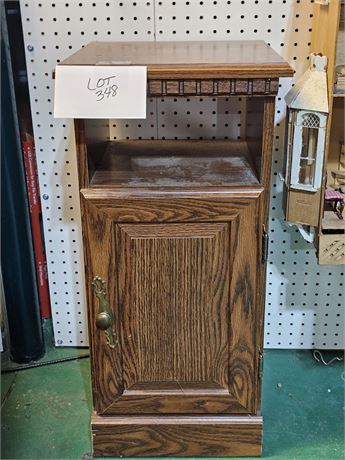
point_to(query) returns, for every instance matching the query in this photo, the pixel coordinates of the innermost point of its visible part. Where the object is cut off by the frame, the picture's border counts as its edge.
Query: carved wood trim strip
(213, 87)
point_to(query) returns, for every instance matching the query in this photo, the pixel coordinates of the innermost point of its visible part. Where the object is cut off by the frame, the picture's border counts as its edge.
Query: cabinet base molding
(151, 436)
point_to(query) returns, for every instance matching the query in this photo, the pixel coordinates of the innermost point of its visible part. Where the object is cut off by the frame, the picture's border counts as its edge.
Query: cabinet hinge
(260, 364)
(264, 246)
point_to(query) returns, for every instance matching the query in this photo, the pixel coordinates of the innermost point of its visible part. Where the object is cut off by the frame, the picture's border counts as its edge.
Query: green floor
(45, 411)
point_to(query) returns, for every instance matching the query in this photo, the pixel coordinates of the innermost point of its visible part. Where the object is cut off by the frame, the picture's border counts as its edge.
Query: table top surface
(203, 59)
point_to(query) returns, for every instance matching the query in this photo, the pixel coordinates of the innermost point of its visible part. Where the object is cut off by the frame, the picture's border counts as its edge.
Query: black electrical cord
(44, 363)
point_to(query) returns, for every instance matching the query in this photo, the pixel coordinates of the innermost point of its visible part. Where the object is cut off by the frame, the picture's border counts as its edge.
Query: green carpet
(45, 411)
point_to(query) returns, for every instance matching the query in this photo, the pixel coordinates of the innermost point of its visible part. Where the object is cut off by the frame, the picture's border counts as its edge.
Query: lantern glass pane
(310, 133)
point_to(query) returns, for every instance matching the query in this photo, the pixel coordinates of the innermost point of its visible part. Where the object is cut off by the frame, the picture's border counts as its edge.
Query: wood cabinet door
(182, 276)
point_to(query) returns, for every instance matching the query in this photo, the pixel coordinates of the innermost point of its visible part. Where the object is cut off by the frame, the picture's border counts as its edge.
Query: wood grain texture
(173, 281)
(82, 159)
(244, 296)
(267, 145)
(177, 322)
(303, 207)
(176, 436)
(182, 263)
(147, 163)
(324, 39)
(252, 127)
(263, 225)
(203, 59)
(174, 295)
(100, 260)
(125, 206)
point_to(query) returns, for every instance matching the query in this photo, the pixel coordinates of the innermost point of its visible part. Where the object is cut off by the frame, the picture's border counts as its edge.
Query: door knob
(103, 320)
(104, 317)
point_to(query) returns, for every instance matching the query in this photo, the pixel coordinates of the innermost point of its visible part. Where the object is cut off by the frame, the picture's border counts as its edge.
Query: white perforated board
(304, 301)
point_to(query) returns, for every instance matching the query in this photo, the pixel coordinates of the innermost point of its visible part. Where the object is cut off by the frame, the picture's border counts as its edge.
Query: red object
(36, 217)
(333, 195)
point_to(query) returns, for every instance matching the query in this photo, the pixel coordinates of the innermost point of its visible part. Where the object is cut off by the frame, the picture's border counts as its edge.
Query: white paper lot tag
(100, 91)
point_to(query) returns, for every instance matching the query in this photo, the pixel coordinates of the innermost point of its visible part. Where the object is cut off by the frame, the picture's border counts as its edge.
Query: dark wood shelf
(194, 59)
(168, 163)
(196, 68)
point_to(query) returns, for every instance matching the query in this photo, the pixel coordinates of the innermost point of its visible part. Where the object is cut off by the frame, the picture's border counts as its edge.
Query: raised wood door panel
(184, 298)
(173, 292)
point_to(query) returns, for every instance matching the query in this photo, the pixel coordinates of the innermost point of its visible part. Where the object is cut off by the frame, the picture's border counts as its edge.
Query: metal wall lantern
(308, 132)
(308, 110)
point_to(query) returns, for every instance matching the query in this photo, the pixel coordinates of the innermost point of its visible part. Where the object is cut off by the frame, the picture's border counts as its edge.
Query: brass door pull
(104, 318)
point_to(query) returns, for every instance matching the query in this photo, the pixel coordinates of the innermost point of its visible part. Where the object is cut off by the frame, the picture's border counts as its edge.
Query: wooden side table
(175, 237)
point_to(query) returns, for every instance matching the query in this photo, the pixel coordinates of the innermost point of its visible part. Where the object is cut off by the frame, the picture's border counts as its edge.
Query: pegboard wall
(304, 301)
